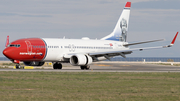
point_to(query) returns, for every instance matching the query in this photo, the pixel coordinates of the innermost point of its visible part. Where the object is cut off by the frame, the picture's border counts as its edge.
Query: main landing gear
(57, 65)
(85, 67)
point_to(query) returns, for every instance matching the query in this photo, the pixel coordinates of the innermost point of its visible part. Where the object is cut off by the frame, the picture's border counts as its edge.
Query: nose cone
(4, 52)
(8, 53)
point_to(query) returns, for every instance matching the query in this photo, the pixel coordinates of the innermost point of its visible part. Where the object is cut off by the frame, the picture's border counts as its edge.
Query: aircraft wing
(129, 51)
(130, 44)
(123, 52)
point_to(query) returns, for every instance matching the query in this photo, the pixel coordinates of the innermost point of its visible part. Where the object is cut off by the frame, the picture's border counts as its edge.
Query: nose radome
(7, 52)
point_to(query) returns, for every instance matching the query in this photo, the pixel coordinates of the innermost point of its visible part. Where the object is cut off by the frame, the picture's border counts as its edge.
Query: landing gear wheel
(18, 66)
(85, 67)
(57, 66)
(82, 67)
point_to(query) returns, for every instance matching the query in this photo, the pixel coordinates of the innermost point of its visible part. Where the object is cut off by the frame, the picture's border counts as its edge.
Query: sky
(149, 20)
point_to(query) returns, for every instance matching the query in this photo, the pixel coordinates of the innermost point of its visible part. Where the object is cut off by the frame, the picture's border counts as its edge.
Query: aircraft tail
(120, 31)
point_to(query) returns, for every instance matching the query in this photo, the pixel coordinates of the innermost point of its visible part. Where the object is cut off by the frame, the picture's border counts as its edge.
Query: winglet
(174, 38)
(173, 41)
(7, 41)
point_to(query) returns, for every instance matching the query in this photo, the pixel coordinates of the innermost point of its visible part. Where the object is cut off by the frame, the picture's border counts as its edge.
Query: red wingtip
(7, 41)
(128, 4)
(174, 38)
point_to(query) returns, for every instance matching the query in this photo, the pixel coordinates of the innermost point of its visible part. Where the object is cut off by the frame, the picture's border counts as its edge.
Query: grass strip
(89, 86)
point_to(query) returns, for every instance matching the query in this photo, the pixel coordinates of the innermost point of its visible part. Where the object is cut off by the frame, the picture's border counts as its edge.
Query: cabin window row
(45, 47)
(78, 47)
(39, 46)
(53, 46)
(85, 47)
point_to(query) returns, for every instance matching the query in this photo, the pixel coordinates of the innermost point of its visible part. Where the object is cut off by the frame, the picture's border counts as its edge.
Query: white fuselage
(59, 48)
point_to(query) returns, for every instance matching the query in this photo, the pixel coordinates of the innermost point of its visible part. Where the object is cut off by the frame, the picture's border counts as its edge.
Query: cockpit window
(14, 45)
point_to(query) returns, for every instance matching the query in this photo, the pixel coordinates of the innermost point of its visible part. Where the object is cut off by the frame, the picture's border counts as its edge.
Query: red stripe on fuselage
(31, 49)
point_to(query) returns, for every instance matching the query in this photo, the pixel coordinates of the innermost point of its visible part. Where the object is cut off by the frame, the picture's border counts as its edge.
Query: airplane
(77, 52)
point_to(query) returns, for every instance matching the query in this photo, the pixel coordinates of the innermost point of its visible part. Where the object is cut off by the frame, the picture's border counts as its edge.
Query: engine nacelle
(34, 63)
(80, 60)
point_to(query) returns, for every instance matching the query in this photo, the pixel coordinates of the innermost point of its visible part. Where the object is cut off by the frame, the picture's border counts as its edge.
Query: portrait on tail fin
(123, 26)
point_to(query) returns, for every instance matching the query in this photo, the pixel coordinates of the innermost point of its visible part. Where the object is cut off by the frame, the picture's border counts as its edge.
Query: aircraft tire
(85, 67)
(60, 66)
(82, 67)
(57, 66)
(18, 66)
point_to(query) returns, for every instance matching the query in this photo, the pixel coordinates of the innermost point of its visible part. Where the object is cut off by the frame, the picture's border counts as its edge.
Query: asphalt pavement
(109, 67)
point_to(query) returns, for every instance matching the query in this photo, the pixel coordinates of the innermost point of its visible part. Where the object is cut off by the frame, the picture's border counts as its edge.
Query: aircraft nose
(8, 52)
(4, 52)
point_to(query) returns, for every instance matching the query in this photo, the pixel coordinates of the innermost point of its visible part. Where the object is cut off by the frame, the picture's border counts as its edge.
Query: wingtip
(128, 5)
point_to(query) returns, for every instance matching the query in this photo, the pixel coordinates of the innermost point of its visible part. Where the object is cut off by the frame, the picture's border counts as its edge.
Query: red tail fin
(7, 41)
(128, 4)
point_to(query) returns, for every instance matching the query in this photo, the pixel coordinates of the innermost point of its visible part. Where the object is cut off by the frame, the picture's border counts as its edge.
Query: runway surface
(109, 67)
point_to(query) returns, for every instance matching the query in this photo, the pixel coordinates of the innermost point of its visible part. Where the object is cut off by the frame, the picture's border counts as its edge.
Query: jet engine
(33, 63)
(80, 60)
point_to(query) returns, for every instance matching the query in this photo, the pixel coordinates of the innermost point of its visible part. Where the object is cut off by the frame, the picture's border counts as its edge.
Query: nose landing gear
(17, 62)
(18, 66)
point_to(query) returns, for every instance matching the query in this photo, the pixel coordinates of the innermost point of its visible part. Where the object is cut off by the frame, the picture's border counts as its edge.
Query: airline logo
(29, 46)
(29, 50)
